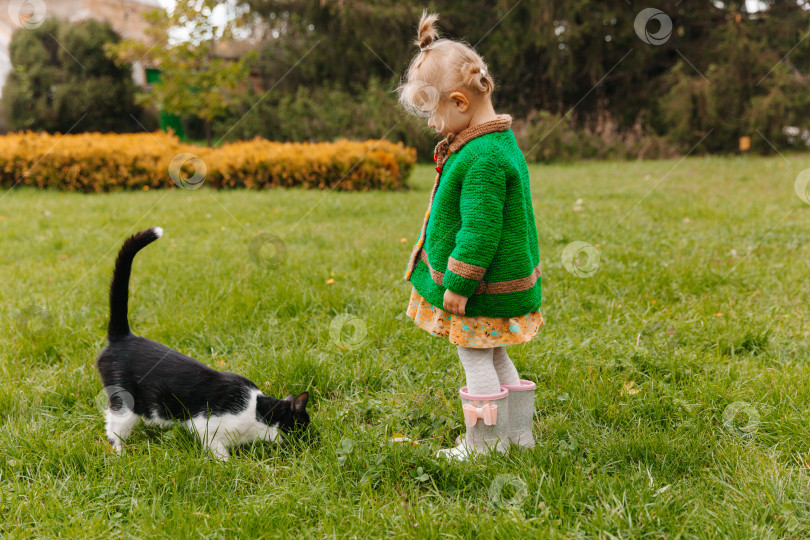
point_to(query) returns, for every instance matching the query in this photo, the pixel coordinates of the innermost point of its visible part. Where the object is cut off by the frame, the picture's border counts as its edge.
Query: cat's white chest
(217, 432)
(230, 429)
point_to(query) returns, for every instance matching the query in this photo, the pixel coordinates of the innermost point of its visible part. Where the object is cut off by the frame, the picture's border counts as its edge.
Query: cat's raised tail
(119, 288)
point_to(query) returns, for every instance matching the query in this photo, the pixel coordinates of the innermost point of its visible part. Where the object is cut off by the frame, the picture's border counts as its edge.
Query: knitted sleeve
(483, 194)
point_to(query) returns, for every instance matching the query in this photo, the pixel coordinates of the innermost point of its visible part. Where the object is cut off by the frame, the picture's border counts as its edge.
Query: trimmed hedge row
(95, 162)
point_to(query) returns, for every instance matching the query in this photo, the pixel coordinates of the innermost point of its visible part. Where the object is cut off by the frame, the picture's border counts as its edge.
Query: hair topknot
(450, 66)
(427, 32)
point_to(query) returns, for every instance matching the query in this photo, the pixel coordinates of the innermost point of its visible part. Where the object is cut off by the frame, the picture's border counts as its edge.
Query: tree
(544, 55)
(578, 58)
(192, 80)
(62, 80)
(744, 89)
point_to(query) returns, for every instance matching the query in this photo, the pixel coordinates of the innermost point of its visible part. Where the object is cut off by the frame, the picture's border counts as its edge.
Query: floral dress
(475, 332)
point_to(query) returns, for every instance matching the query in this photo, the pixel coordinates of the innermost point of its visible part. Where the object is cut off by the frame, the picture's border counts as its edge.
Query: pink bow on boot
(487, 412)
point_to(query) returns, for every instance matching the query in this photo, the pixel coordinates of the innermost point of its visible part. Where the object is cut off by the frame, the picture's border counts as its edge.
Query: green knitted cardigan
(479, 238)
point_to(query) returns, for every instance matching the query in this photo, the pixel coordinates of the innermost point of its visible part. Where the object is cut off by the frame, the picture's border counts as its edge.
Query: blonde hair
(442, 66)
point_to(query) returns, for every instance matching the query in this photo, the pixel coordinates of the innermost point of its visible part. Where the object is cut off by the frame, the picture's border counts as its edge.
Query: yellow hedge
(94, 162)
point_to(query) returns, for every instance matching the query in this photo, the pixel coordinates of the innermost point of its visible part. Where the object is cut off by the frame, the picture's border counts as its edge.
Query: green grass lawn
(699, 310)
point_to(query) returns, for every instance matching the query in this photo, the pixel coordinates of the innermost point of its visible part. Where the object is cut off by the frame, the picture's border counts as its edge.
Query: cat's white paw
(116, 445)
(220, 451)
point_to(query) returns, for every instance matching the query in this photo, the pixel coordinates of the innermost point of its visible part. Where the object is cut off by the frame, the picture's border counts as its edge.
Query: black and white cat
(144, 379)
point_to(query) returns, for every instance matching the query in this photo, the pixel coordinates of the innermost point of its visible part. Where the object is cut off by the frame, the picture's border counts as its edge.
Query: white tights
(487, 369)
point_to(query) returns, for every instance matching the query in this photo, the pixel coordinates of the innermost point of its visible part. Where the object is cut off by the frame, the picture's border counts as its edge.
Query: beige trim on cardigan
(493, 287)
(454, 143)
(466, 270)
(417, 248)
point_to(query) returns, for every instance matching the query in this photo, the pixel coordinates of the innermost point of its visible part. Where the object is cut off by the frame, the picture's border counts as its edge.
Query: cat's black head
(288, 414)
(300, 416)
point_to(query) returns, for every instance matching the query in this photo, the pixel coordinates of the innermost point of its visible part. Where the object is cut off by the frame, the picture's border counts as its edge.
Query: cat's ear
(300, 403)
(289, 398)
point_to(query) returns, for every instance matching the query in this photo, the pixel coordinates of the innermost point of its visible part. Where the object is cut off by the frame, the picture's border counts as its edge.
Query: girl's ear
(460, 101)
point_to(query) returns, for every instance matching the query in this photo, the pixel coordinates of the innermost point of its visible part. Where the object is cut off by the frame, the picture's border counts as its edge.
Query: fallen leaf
(629, 388)
(400, 438)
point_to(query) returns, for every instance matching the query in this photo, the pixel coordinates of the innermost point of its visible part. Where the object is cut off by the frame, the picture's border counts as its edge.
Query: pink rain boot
(487, 420)
(521, 413)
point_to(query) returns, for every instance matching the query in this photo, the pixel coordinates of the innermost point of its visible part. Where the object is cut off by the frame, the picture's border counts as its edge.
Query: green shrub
(326, 114)
(550, 138)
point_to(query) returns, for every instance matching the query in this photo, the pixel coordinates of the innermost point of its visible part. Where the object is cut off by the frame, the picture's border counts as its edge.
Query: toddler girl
(475, 268)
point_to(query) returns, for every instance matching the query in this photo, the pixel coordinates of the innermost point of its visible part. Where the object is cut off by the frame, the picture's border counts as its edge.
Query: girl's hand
(454, 303)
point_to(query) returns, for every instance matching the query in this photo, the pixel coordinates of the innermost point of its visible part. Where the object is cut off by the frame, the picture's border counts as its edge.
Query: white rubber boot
(487, 420)
(521, 413)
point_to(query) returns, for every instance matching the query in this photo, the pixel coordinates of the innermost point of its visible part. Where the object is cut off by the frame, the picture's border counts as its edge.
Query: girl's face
(452, 115)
